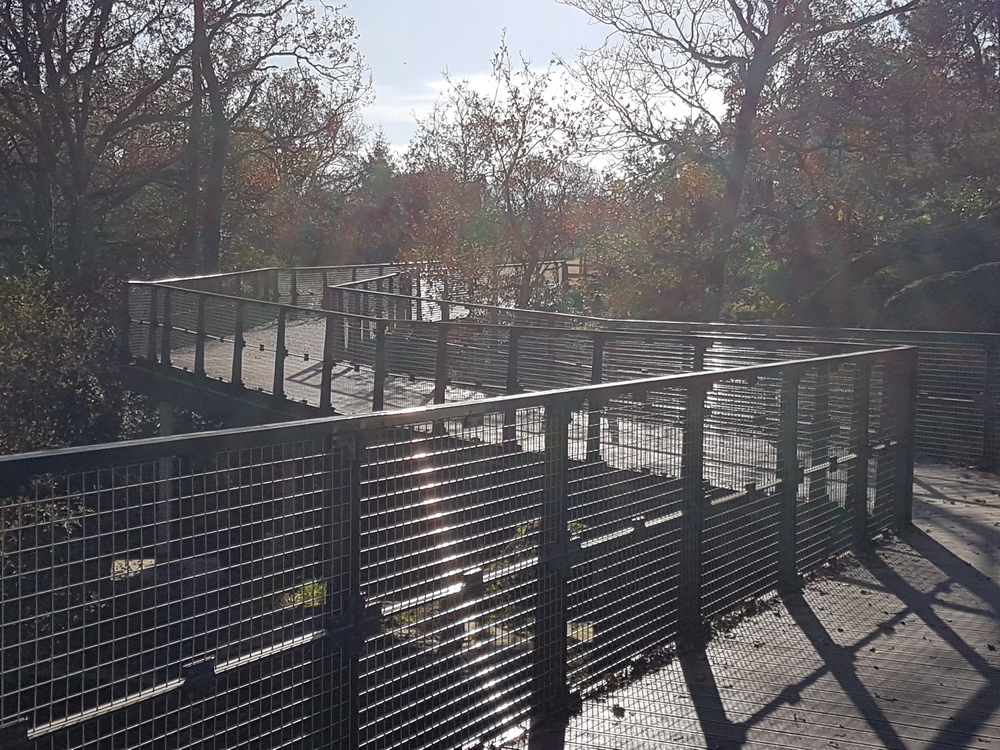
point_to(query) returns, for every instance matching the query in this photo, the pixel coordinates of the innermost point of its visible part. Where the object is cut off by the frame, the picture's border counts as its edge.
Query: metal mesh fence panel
(740, 545)
(184, 316)
(140, 313)
(260, 345)
(426, 579)
(449, 527)
(631, 356)
(179, 602)
(823, 526)
(411, 350)
(478, 358)
(554, 359)
(220, 330)
(624, 501)
(305, 334)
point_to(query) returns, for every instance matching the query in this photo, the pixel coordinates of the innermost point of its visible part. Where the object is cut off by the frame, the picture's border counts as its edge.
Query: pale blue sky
(408, 43)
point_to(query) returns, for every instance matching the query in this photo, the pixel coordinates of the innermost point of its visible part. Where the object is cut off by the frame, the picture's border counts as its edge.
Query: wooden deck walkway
(898, 649)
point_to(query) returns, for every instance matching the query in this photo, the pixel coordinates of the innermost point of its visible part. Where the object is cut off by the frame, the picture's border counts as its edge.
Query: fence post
(441, 364)
(406, 290)
(378, 389)
(820, 435)
(280, 352)
(991, 407)
(595, 407)
(295, 287)
(907, 446)
(692, 630)
(549, 689)
(700, 347)
(154, 304)
(350, 620)
(790, 475)
(353, 324)
(199, 337)
(326, 373)
(125, 323)
(510, 415)
(417, 298)
(165, 336)
(857, 476)
(238, 344)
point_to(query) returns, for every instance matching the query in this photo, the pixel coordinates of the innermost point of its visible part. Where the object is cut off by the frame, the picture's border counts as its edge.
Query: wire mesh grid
(634, 356)
(171, 603)
(140, 313)
(448, 536)
(435, 581)
(741, 445)
(554, 359)
(624, 499)
(302, 367)
(478, 357)
(822, 524)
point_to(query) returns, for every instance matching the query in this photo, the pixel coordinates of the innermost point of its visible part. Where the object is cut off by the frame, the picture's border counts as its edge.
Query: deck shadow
(897, 578)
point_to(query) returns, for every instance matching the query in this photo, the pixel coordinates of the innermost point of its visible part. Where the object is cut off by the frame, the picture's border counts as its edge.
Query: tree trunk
(754, 79)
(191, 228)
(211, 228)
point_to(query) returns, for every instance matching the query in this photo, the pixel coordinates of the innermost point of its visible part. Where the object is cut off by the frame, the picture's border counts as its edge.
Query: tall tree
(248, 50)
(672, 59)
(520, 147)
(88, 97)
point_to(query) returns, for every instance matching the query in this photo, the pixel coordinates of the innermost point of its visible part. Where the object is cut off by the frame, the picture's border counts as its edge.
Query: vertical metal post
(419, 300)
(821, 427)
(510, 415)
(790, 475)
(406, 289)
(907, 447)
(378, 390)
(199, 337)
(349, 623)
(354, 323)
(167, 328)
(154, 304)
(166, 493)
(445, 311)
(326, 373)
(550, 694)
(125, 323)
(295, 287)
(594, 407)
(441, 364)
(238, 344)
(857, 476)
(280, 352)
(691, 627)
(991, 407)
(700, 347)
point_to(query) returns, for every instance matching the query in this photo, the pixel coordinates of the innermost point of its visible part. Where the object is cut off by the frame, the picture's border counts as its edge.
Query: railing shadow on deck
(832, 643)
